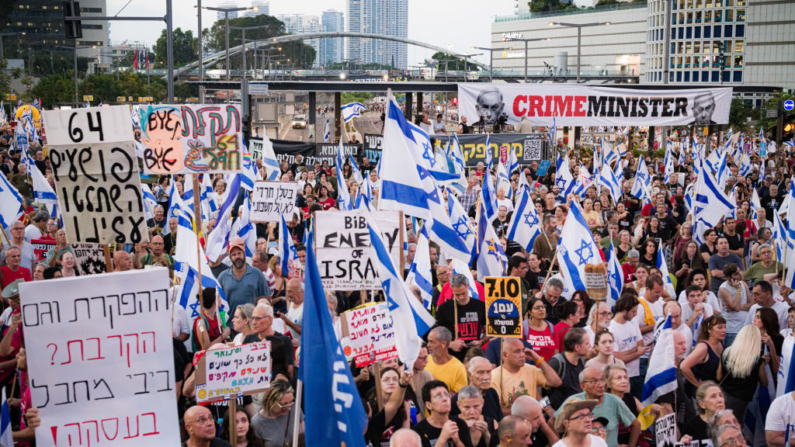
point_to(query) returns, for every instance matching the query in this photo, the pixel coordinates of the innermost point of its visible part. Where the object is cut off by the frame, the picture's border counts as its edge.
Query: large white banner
(588, 105)
(344, 254)
(101, 360)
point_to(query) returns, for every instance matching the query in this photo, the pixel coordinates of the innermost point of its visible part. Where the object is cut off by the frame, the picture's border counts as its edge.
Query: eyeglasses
(587, 416)
(599, 380)
(597, 429)
(732, 442)
(442, 396)
(287, 405)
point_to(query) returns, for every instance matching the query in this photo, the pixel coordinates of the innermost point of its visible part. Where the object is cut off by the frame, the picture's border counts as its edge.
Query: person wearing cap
(575, 420)
(37, 227)
(242, 283)
(599, 428)
(18, 240)
(608, 406)
(12, 339)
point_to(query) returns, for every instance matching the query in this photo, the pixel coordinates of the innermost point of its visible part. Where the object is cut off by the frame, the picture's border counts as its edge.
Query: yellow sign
(140, 99)
(11, 97)
(88, 97)
(121, 98)
(129, 98)
(503, 307)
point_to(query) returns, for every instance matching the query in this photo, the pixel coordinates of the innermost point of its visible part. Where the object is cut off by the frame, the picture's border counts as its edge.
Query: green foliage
(60, 88)
(739, 113)
(606, 2)
(185, 48)
(454, 64)
(545, 5)
(362, 97)
(5, 79)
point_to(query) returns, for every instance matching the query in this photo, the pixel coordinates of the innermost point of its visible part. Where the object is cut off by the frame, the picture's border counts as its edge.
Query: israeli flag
(615, 277)
(682, 153)
(149, 201)
(420, 272)
(175, 204)
(357, 174)
(326, 132)
(789, 144)
(607, 178)
(6, 432)
(218, 239)
(364, 198)
(246, 229)
(713, 161)
(489, 196)
(642, 183)
(745, 166)
(576, 249)
(462, 268)
(563, 178)
(661, 375)
(553, 134)
(461, 223)
(723, 171)
(584, 182)
(662, 266)
(779, 236)
(344, 201)
(492, 260)
(504, 180)
(208, 204)
(525, 224)
(272, 169)
(42, 191)
(710, 204)
(489, 153)
(249, 174)
(669, 165)
(755, 204)
(456, 166)
(287, 252)
(790, 260)
(513, 162)
(410, 318)
(761, 172)
(187, 257)
(352, 110)
(728, 142)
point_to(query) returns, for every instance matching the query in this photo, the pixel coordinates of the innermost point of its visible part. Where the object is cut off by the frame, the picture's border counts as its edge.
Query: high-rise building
(332, 50)
(383, 17)
(302, 24)
(227, 5)
(263, 8)
(36, 25)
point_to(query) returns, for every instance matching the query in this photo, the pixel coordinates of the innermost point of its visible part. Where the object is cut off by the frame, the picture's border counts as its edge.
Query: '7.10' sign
(503, 307)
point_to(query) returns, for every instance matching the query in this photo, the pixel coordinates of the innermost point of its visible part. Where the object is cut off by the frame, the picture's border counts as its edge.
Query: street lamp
(491, 58)
(466, 58)
(513, 39)
(243, 29)
(579, 27)
(226, 12)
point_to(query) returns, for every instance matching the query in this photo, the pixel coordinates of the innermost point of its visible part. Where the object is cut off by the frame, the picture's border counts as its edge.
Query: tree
(545, 5)
(454, 64)
(739, 113)
(606, 2)
(185, 48)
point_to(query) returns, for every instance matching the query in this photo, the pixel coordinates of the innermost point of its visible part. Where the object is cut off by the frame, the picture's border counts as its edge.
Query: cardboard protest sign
(665, 430)
(368, 335)
(41, 247)
(223, 374)
(344, 253)
(192, 139)
(90, 259)
(272, 200)
(92, 151)
(503, 307)
(100, 358)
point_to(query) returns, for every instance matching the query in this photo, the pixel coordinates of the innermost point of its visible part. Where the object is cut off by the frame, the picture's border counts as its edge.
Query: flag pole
(233, 420)
(379, 392)
(455, 317)
(298, 395)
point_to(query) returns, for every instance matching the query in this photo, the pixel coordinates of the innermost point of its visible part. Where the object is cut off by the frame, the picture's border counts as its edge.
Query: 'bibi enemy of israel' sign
(587, 105)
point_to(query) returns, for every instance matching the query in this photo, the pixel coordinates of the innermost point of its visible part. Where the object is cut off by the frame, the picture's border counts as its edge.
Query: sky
(459, 23)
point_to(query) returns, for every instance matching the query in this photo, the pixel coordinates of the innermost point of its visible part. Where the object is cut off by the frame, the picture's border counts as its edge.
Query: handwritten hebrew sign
(187, 139)
(223, 374)
(344, 254)
(368, 334)
(92, 151)
(271, 200)
(100, 358)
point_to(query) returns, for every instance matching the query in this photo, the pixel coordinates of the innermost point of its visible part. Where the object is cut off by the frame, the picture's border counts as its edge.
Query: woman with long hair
(591, 216)
(604, 357)
(322, 193)
(584, 303)
(274, 423)
(652, 231)
(684, 237)
(541, 334)
(241, 322)
(687, 262)
(624, 245)
(708, 248)
(641, 273)
(710, 400)
(648, 256)
(702, 364)
(742, 369)
(767, 322)
(395, 386)
(698, 277)
(763, 236)
(245, 434)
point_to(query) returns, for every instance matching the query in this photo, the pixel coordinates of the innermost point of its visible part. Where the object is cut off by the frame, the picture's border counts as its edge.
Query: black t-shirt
(697, 429)
(379, 432)
(531, 280)
(471, 321)
(181, 358)
(491, 405)
(736, 242)
(667, 227)
(429, 434)
(705, 249)
(570, 377)
(215, 442)
(625, 223)
(741, 388)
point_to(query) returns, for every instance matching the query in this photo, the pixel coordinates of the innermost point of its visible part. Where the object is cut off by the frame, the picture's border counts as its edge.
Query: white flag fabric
(661, 375)
(420, 270)
(576, 249)
(218, 239)
(525, 223)
(662, 266)
(344, 201)
(10, 203)
(710, 204)
(563, 178)
(461, 223)
(326, 132)
(352, 110)
(269, 160)
(615, 277)
(6, 431)
(492, 260)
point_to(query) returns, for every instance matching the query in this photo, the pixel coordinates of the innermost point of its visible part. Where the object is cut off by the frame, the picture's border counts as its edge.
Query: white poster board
(100, 359)
(227, 373)
(665, 430)
(344, 254)
(272, 200)
(92, 152)
(368, 334)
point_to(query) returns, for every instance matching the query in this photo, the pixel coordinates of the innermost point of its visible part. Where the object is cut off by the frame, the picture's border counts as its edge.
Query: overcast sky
(460, 23)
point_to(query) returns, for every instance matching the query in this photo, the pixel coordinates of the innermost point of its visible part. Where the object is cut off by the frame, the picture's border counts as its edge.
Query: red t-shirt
(560, 331)
(327, 204)
(543, 342)
(213, 330)
(9, 276)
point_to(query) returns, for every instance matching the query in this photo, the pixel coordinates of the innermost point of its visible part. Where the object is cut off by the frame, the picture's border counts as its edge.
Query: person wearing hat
(575, 420)
(608, 406)
(599, 427)
(242, 283)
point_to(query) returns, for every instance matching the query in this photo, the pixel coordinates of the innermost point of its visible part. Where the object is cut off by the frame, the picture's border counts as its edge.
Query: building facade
(263, 8)
(383, 17)
(332, 50)
(227, 5)
(302, 24)
(36, 25)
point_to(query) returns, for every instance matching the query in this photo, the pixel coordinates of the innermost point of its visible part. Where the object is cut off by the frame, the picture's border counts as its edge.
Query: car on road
(299, 122)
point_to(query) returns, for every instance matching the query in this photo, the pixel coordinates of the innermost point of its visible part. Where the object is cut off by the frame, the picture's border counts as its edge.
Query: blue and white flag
(745, 166)
(287, 251)
(326, 132)
(669, 164)
(209, 206)
(410, 318)
(790, 260)
(525, 224)
(615, 277)
(609, 153)
(175, 205)
(608, 179)
(6, 432)
(10, 203)
(576, 249)
(249, 172)
(489, 154)
(761, 172)
(246, 229)
(357, 174)
(662, 266)
(150, 202)
(779, 236)
(187, 257)
(513, 162)
(504, 181)
(420, 272)
(489, 196)
(42, 191)
(755, 204)
(462, 268)
(710, 204)
(218, 239)
(727, 144)
(642, 185)
(723, 171)
(352, 110)
(364, 198)
(459, 166)
(563, 178)
(272, 169)
(344, 201)
(461, 223)
(789, 144)
(661, 375)
(492, 260)
(553, 134)
(336, 414)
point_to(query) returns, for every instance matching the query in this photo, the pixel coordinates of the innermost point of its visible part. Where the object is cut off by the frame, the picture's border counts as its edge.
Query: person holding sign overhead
(464, 317)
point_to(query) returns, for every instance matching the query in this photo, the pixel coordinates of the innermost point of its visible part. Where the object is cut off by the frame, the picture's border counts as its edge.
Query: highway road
(288, 133)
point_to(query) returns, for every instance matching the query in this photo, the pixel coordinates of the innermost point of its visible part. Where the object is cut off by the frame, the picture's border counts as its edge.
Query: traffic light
(74, 28)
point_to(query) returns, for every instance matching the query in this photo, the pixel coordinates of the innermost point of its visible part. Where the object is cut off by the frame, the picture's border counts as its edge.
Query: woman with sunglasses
(274, 423)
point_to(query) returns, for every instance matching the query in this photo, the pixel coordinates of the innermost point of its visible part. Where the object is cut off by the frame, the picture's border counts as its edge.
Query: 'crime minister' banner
(585, 105)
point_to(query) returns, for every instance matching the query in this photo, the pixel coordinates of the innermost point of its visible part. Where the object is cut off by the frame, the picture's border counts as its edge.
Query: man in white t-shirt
(780, 422)
(763, 297)
(628, 340)
(784, 368)
(736, 299)
(696, 310)
(700, 280)
(295, 309)
(646, 323)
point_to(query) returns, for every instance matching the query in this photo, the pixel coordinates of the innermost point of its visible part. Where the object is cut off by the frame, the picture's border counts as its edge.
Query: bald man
(405, 437)
(121, 261)
(200, 426)
(514, 432)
